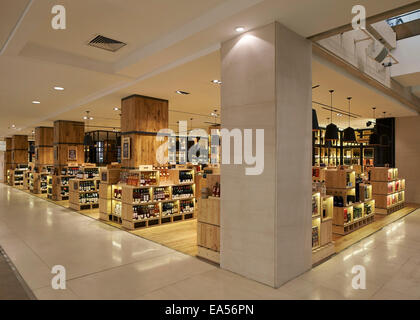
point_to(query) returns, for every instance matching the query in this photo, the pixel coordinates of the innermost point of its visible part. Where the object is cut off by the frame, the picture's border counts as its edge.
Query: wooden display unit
(39, 182)
(208, 222)
(388, 190)
(60, 182)
(349, 215)
(16, 177)
(147, 203)
(84, 194)
(110, 193)
(7, 158)
(322, 218)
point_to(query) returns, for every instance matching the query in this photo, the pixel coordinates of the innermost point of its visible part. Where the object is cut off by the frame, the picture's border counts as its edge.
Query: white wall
(407, 155)
(408, 55)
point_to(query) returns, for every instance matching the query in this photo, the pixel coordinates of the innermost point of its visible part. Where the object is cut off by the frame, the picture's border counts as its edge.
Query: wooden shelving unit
(39, 182)
(208, 224)
(349, 215)
(146, 202)
(60, 182)
(388, 190)
(322, 217)
(110, 195)
(15, 177)
(84, 199)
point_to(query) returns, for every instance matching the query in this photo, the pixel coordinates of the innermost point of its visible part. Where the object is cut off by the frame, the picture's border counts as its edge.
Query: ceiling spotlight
(116, 109)
(240, 29)
(36, 102)
(216, 81)
(182, 92)
(59, 88)
(13, 126)
(339, 114)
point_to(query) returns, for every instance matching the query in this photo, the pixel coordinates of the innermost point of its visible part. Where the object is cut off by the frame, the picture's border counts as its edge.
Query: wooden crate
(209, 211)
(353, 226)
(326, 232)
(381, 187)
(105, 206)
(337, 178)
(383, 174)
(110, 175)
(105, 191)
(208, 236)
(208, 254)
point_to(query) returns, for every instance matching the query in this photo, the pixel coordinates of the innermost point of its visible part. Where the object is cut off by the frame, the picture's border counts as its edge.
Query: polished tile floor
(103, 262)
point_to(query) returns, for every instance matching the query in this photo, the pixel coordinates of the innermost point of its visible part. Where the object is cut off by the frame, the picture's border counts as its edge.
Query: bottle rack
(208, 219)
(388, 190)
(61, 180)
(84, 194)
(146, 206)
(348, 214)
(15, 177)
(38, 182)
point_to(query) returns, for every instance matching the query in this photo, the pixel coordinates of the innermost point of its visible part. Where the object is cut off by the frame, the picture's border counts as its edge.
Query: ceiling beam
(395, 91)
(370, 20)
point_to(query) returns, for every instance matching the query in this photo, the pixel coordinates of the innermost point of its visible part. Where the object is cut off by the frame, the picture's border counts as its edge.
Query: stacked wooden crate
(208, 224)
(110, 177)
(388, 190)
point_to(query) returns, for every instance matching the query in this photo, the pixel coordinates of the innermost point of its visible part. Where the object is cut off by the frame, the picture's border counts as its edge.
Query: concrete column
(266, 219)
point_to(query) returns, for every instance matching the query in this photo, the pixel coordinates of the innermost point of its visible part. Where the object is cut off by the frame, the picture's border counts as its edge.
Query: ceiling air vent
(105, 43)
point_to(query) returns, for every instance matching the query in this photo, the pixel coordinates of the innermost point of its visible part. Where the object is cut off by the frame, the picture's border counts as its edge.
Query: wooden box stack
(350, 216)
(208, 223)
(44, 147)
(110, 177)
(141, 117)
(388, 190)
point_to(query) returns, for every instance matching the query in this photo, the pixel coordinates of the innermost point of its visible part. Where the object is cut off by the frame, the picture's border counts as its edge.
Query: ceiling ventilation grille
(105, 43)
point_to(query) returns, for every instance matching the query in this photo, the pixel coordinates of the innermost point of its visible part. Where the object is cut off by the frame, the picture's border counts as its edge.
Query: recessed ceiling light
(182, 92)
(116, 109)
(59, 88)
(13, 126)
(216, 81)
(36, 102)
(240, 29)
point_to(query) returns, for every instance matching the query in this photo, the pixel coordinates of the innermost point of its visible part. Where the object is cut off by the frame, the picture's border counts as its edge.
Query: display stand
(388, 190)
(146, 202)
(349, 215)
(208, 221)
(60, 182)
(322, 217)
(84, 194)
(110, 192)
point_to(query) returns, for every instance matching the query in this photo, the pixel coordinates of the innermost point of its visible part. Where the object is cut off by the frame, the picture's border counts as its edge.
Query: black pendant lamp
(349, 135)
(87, 141)
(315, 124)
(374, 137)
(331, 134)
(384, 138)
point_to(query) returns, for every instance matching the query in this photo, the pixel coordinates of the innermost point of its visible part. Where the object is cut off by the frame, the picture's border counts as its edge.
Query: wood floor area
(343, 242)
(180, 236)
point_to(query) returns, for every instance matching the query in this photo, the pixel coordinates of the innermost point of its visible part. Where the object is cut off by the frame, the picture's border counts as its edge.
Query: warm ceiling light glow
(36, 102)
(59, 88)
(116, 109)
(216, 81)
(13, 126)
(239, 29)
